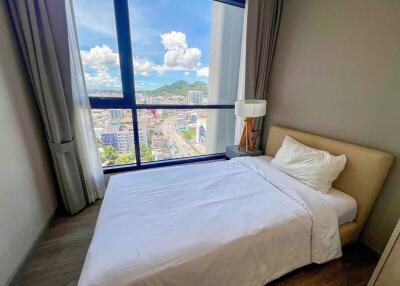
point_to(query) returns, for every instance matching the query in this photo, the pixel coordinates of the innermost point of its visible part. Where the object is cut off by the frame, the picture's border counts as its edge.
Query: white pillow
(315, 168)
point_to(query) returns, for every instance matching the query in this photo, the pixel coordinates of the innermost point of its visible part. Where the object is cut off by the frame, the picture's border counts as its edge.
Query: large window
(162, 78)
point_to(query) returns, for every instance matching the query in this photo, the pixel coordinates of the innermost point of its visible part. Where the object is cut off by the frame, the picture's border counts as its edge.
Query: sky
(170, 42)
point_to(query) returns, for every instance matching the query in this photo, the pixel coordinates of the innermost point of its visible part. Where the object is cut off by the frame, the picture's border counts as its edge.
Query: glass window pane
(180, 133)
(114, 135)
(186, 53)
(95, 22)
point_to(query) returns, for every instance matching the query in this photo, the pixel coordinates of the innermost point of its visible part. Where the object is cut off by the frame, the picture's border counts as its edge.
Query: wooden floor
(59, 258)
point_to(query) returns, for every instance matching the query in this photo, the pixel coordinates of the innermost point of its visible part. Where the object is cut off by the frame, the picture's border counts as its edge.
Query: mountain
(181, 87)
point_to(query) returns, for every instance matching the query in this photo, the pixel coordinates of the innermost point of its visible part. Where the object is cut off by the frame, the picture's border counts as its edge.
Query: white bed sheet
(237, 222)
(344, 204)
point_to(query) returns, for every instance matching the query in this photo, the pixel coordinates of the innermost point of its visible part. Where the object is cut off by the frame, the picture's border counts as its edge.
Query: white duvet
(238, 222)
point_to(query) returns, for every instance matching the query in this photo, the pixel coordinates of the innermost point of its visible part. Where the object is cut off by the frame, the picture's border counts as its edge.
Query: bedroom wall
(27, 199)
(336, 73)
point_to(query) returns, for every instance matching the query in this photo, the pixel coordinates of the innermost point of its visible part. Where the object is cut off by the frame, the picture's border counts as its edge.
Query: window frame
(128, 100)
(237, 3)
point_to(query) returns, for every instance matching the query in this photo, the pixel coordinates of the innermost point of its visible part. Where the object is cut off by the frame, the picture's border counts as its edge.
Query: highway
(181, 147)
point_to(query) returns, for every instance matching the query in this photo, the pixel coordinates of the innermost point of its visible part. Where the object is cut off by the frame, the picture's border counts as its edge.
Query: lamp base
(246, 141)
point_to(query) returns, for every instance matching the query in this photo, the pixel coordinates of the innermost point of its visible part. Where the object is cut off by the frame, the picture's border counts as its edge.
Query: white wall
(336, 73)
(27, 187)
(226, 43)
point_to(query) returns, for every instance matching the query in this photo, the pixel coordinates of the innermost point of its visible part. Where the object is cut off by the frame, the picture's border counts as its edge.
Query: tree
(189, 134)
(98, 143)
(147, 154)
(109, 154)
(126, 158)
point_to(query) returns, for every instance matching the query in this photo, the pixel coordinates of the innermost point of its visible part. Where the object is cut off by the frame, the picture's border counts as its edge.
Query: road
(182, 148)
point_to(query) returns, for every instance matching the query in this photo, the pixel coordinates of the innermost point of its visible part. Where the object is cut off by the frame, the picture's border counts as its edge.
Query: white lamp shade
(250, 108)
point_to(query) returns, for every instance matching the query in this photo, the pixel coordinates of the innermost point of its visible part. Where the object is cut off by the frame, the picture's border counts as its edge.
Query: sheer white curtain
(239, 124)
(82, 119)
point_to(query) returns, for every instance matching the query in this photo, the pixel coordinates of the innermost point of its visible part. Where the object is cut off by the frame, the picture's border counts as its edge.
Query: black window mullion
(185, 106)
(237, 3)
(108, 103)
(126, 64)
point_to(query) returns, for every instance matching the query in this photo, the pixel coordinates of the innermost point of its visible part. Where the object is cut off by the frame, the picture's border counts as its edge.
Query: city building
(201, 129)
(116, 130)
(116, 117)
(121, 140)
(195, 97)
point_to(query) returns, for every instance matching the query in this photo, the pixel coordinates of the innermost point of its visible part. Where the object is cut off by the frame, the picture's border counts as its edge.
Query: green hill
(181, 87)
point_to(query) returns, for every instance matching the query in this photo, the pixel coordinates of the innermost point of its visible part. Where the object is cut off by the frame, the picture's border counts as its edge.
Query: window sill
(163, 163)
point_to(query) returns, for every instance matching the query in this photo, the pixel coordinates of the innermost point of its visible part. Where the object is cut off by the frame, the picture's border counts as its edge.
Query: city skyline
(163, 134)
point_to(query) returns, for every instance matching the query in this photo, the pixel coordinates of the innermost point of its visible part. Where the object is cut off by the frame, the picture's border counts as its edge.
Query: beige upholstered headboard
(362, 178)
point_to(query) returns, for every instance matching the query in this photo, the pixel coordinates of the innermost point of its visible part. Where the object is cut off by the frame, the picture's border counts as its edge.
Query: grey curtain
(42, 32)
(262, 32)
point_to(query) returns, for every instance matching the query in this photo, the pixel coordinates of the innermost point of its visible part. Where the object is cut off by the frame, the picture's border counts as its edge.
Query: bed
(236, 222)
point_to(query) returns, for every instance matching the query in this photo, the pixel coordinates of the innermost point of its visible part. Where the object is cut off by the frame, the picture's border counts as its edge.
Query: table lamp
(249, 109)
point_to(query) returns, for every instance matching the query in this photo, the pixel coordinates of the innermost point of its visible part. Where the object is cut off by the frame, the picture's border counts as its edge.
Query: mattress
(345, 205)
(237, 222)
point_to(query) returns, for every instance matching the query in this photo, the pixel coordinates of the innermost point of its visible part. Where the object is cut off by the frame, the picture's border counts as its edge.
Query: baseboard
(377, 251)
(13, 280)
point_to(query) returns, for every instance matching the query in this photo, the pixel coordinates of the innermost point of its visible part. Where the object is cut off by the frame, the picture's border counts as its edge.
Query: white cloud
(102, 79)
(103, 58)
(143, 67)
(174, 40)
(100, 58)
(178, 56)
(203, 72)
(101, 63)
